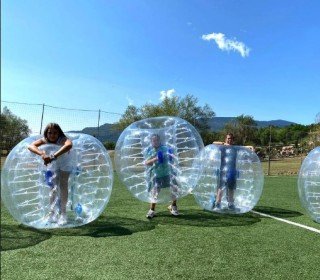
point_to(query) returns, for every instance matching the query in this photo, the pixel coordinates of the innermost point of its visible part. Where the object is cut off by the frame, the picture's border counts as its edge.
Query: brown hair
(55, 126)
(230, 134)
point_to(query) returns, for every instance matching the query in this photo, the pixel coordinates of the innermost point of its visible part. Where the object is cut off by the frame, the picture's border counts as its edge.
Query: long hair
(55, 126)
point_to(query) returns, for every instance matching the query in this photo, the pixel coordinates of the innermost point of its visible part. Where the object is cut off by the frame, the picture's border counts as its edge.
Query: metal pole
(42, 118)
(269, 152)
(98, 124)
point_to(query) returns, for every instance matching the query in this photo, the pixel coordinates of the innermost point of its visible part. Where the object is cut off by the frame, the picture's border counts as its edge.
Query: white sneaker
(53, 218)
(62, 220)
(173, 210)
(150, 214)
(217, 207)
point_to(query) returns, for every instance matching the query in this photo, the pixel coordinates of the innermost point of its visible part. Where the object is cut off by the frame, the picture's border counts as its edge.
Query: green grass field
(123, 244)
(284, 166)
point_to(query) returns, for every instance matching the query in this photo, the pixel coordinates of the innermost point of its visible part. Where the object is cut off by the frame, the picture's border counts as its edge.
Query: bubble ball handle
(48, 175)
(160, 157)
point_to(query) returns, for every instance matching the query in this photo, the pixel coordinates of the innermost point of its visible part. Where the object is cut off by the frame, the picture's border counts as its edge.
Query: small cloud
(189, 23)
(227, 44)
(166, 93)
(130, 101)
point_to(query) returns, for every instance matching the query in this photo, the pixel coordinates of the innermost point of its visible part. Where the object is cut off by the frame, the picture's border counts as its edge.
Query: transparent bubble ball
(309, 184)
(178, 155)
(236, 171)
(28, 186)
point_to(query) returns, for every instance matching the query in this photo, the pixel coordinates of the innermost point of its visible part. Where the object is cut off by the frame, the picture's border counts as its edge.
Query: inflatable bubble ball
(156, 158)
(231, 180)
(309, 184)
(78, 183)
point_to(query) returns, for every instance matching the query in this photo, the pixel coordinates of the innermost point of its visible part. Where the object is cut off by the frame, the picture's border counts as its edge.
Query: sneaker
(52, 217)
(173, 210)
(150, 214)
(231, 207)
(62, 220)
(217, 206)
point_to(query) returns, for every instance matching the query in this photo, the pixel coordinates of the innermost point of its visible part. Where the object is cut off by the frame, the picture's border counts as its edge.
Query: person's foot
(151, 213)
(173, 210)
(217, 206)
(231, 207)
(62, 220)
(53, 217)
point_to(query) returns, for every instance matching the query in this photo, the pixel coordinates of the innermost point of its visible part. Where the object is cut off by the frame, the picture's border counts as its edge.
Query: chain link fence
(94, 122)
(38, 115)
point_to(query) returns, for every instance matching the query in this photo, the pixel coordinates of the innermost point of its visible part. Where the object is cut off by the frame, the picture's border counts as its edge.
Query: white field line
(287, 221)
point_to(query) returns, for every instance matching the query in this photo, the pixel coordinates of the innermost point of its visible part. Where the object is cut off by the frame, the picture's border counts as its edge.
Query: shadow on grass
(106, 227)
(18, 236)
(278, 212)
(201, 218)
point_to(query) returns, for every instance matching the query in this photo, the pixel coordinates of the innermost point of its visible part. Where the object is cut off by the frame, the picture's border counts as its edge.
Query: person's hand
(46, 159)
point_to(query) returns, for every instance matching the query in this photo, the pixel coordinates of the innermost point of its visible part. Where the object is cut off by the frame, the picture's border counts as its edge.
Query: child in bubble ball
(227, 178)
(158, 158)
(53, 134)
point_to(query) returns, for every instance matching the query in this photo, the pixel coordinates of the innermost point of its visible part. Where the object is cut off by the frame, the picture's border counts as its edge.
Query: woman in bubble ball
(160, 173)
(227, 175)
(53, 134)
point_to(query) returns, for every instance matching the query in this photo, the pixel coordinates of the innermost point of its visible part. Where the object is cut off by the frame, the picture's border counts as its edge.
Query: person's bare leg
(219, 195)
(64, 177)
(153, 206)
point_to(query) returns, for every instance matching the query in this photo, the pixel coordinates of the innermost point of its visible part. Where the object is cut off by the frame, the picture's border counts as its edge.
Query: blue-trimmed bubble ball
(172, 144)
(32, 192)
(309, 184)
(231, 179)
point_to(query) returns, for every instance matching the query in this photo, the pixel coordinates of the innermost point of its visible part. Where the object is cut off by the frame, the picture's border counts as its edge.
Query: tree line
(244, 127)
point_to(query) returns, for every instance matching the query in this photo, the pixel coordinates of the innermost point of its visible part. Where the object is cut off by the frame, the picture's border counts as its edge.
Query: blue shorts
(228, 179)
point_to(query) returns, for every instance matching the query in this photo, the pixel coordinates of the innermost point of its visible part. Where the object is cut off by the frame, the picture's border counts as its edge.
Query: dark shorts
(162, 182)
(228, 179)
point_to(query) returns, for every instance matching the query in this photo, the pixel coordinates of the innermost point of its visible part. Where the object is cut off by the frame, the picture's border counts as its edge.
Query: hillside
(107, 133)
(216, 124)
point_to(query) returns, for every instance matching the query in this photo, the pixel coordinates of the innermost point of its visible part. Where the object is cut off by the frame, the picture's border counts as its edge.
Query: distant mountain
(107, 133)
(216, 124)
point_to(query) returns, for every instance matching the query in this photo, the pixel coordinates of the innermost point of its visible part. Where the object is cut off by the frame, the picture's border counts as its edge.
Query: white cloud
(130, 101)
(166, 93)
(227, 44)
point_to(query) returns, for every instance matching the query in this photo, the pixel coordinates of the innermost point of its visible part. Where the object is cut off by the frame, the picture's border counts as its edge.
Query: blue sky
(258, 58)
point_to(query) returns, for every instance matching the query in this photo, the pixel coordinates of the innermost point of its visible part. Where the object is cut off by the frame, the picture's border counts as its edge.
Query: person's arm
(34, 147)
(64, 149)
(151, 161)
(151, 157)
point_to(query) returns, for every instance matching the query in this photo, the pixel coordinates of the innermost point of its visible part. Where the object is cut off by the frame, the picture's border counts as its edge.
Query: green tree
(131, 114)
(186, 108)
(13, 129)
(244, 129)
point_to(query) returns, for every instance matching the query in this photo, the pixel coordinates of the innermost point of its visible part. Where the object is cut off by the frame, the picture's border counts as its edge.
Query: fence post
(98, 124)
(41, 118)
(269, 152)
